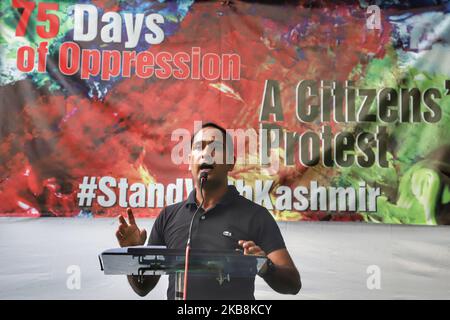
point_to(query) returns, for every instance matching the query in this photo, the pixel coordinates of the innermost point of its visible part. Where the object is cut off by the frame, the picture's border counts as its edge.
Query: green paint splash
(412, 185)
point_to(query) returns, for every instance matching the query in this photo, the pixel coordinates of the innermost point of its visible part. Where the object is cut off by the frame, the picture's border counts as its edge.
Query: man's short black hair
(226, 136)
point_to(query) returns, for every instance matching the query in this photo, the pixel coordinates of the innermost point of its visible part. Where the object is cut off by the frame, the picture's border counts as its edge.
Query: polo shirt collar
(229, 196)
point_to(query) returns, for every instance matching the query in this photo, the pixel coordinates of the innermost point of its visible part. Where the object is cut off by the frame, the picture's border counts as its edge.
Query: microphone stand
(203, 178)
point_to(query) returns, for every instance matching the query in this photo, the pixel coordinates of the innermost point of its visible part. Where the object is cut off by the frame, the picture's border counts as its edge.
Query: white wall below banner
(57, 258)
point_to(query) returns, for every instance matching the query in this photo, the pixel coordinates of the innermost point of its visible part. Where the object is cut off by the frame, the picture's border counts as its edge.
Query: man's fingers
(248, 244)
(131, 216)
(144, 235)
(255, 249)
(245, 243)
(250, 247)
(123, 229)
(119, 235)
(122, 220)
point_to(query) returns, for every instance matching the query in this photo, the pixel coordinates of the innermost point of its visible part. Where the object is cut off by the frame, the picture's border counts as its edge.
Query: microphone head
(203, 177)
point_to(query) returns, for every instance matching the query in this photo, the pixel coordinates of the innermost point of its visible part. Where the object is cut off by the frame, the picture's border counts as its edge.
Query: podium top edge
(162, 250)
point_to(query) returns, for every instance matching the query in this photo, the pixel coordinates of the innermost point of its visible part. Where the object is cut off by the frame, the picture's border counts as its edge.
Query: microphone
(203, 178)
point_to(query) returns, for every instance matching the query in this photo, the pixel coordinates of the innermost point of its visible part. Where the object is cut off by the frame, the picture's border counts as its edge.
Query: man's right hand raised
(128, 234)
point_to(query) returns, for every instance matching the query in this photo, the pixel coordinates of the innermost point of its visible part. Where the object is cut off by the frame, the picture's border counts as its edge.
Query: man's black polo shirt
(245, 219)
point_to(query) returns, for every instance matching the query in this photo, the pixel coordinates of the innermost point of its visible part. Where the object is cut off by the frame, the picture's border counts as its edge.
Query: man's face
(208, 155)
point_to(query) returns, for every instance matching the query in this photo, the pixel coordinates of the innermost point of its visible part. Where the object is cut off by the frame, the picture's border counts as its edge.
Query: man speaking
(225, 221)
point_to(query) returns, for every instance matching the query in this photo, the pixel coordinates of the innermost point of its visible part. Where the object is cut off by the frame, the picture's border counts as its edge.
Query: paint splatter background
(56, 129)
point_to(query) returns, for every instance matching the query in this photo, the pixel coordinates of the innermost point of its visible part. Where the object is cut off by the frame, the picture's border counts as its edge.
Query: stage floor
(39, 257)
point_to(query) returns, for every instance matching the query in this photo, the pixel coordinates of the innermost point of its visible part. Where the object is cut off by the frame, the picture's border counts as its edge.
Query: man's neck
(211, 196)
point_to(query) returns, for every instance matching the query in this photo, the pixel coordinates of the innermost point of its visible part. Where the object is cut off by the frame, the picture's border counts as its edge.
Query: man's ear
(189, 160)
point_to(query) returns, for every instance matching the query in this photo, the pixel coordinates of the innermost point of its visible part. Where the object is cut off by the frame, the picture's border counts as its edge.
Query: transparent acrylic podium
(157, 260)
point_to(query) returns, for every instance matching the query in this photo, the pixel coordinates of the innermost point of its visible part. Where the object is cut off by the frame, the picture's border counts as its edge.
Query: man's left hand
(250, 248)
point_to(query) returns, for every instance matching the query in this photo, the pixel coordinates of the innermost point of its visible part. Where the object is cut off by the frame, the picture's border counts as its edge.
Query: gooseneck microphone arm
(203, 178)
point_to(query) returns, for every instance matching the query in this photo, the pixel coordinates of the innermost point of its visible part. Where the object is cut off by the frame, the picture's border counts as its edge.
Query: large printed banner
(338, 110)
